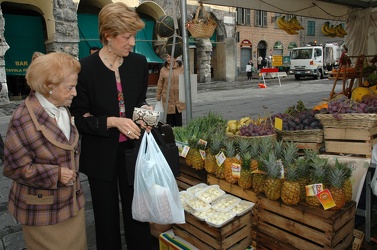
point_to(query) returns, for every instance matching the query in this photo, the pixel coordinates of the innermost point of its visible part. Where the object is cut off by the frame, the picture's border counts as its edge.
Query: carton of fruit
(202, 215)
(185, 195)
(210, 193)
(197, 188)
(225, 203)
(219, 219)
(198, 205)
(242, 207)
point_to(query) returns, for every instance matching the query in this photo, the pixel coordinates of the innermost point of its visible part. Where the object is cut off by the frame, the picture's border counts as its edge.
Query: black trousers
(105, 200)
(174, 119)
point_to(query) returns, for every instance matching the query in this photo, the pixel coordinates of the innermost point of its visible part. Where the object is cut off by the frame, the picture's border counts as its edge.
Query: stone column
(203, 53)
(4, 99)
(66, 36)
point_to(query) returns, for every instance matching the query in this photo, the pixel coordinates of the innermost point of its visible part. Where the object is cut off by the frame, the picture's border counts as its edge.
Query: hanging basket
(201, 27)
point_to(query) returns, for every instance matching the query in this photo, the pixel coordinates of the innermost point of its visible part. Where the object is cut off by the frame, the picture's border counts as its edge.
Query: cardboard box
(169, 241)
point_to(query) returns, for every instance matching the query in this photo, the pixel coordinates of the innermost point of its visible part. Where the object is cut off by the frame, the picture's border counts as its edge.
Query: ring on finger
(129, 132)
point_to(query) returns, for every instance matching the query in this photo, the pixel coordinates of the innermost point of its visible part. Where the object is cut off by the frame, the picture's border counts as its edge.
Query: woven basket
(362, 121)
(273, 136)
(201, 28)
(308, 135)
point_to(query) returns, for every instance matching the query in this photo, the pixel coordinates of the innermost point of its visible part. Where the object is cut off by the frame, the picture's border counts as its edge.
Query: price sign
(277, 61)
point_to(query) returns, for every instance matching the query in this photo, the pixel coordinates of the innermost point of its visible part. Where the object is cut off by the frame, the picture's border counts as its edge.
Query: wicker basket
(361, 121)
(199, 28)
(273, 136)
(308, 135)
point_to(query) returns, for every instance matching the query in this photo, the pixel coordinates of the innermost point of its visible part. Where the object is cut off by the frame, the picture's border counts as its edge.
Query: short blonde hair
(117, 18)
(50, 69)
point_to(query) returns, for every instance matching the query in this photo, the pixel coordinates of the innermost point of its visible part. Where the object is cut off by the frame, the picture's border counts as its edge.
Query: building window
(311, 28)
(260, 18)
(243, 17)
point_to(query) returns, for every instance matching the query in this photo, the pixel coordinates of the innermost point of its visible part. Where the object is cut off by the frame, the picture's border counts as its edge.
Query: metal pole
(186, 63)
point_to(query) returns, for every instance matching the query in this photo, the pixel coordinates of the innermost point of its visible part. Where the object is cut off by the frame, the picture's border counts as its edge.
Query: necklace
(110, 64)
(120, 62)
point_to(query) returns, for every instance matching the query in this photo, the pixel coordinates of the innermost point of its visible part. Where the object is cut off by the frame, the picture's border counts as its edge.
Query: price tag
(184, 152)
(326, 199)
(220, 158)
(278, 123)
(236, 170)
(202, 154)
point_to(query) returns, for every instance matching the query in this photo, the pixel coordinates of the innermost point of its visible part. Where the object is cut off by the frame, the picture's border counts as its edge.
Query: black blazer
(97, 94)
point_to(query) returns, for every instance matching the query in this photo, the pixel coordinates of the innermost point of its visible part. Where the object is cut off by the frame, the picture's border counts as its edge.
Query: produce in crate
(347, 185)
(273, 182)
(336, 178)
(317, 174)
(215, 146)
(230, 153)
(259, 175)
(290, 190)
(302, 120)
(255, 129)
(244, 148)
(302, 164)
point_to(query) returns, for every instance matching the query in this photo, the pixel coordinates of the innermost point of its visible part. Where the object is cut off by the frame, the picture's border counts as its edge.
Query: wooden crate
(355, 141)
(190, 177)
(235, 235)
(278, 226)
(234, 189)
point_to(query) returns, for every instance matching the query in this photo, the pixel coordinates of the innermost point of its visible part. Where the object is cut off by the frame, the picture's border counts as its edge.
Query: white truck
(314, 61)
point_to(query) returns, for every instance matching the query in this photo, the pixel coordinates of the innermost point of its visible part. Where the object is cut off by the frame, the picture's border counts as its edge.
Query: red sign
(246, 43)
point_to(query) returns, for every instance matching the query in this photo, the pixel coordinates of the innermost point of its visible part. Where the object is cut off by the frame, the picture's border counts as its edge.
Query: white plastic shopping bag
(160, 108)
(156, 195)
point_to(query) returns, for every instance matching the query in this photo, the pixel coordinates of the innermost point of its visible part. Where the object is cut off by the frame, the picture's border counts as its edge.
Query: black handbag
(164, 137)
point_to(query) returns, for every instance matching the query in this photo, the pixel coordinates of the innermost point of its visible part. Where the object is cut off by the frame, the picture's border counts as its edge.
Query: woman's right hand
(67, 176)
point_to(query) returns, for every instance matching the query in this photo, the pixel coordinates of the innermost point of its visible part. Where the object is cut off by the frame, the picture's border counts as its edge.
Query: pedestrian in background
(92, 50)
(250, 70)
(41, 157)
(175, 107)
(260, 59)
(111, 84)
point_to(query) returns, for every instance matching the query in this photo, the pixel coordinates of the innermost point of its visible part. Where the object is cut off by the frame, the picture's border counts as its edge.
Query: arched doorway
(246, 54)
(262, 49)
(278, 49)
(25, 32)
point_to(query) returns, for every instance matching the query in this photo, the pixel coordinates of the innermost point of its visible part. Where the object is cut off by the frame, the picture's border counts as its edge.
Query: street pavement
(232, 100)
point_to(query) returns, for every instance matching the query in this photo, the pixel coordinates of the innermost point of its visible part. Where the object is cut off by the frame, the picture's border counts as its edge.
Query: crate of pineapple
(279, 226)
(234, 234)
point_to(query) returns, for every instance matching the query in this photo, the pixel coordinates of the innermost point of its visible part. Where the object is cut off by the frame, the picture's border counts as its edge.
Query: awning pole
(186, 63)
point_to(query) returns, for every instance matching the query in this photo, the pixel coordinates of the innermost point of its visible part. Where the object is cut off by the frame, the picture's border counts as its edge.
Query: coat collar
(49, 129)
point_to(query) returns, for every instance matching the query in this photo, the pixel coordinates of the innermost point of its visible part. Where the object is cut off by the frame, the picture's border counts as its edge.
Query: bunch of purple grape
(252, 129)
(303, 120)
(347, 106)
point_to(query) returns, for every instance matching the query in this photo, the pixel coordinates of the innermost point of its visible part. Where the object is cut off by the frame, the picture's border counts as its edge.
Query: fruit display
(291, 26)
(303, 120)
(333, 31)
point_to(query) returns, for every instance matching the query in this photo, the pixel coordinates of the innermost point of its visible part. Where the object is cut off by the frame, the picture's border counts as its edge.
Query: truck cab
(307, 62)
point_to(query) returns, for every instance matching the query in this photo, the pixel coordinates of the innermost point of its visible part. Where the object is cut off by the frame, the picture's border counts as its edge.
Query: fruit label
(278, 123)
(314, 189)
(280, 164)
(202, 142)
(184, 152)
(220, 158)
(326, 199)
(236, 170)
(202, 154)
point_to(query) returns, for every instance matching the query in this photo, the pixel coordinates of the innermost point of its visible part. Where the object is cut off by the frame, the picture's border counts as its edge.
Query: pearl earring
(50, 92)
(109, 45)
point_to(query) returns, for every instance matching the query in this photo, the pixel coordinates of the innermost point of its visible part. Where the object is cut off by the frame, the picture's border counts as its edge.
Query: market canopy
(330, 9)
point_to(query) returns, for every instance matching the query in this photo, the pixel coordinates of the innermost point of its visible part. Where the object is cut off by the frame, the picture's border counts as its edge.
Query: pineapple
(336, 177)
(230, 153)
(259, 174)
(193, 157)
(347, 185)
(210, 162)
(273, 183)
(302, 164)
(278, 148)
(245, 180)
(290, 191)
(318, 171)
(289, 153)
(254, 151)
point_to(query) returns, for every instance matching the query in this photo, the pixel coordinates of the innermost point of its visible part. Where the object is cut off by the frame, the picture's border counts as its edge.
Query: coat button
(77, 192)
(39, 195)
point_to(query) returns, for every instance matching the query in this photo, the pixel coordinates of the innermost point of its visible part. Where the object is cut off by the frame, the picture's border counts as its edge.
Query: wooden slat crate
(235, 235)
(234, 189)
(278, 226)
(190, 177)
(350, 140)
